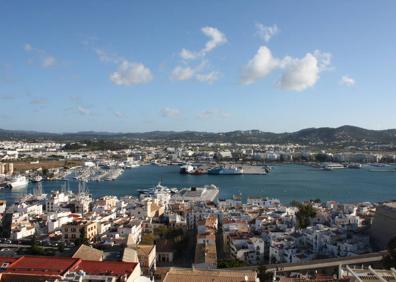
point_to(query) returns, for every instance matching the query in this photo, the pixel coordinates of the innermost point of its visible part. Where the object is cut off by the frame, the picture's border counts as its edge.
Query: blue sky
(196, 65)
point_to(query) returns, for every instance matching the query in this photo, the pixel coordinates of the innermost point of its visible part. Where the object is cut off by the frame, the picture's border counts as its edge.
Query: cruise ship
(17, 182)
(221, 170)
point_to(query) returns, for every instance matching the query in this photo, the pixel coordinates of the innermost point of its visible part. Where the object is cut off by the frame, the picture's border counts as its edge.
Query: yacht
(186, 169)
(18, 182)
(37, 178)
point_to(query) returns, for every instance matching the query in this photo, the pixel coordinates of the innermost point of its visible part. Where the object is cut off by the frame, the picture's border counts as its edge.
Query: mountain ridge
(326, 135)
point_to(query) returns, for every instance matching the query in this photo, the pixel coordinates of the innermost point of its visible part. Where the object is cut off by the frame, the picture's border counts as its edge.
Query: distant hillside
(310, 136)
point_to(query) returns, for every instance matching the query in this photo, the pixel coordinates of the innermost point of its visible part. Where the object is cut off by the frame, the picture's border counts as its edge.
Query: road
(322, 263)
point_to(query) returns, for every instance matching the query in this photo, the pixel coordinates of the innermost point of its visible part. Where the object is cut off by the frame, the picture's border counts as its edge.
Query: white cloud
(106, 57)
(129, 73)
(83, 111)
(213, 113)
(297, 74)
(266, 32)
(187, 72)
(46, 60)
(262, 64)
(188, 55)
(301, 74)
(208, 77)
(182, 73)
(170, 112)
(217, 38)
(346, 80)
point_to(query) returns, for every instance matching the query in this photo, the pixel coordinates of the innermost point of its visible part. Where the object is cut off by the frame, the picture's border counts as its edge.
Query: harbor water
(286, 182)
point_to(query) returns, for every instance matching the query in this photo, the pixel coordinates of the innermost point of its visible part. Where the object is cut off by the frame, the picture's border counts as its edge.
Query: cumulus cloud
(188, 55)
(83, 111)
(200, 72)
(213, 113)
(216, 38)
(196, 72)
(129, 73)
(297, 74)
(182, 73)
(266, 32)
(262, 64)
(300, 73)
(303, 73)
(346, 80)
(42, 56)
(170, 112)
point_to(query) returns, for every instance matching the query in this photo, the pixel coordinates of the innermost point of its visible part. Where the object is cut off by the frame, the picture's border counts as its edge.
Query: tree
(83, 238)
(61, 247)
(45, 171)
(304, 215)
(229, 263)
(263, 275)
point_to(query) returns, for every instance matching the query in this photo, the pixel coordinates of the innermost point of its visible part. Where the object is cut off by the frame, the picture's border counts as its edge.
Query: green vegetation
(304, 214)
(82, 240)
(36, 249)
(148, 239)
(263, 275)
(177, 236)
(95, 145)
(230, 263)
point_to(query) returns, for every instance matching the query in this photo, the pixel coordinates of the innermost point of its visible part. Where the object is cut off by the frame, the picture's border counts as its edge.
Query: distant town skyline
(128, 66)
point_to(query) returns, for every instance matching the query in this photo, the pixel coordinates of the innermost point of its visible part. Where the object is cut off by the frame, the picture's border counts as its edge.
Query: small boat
(186, 169)
(37, 178)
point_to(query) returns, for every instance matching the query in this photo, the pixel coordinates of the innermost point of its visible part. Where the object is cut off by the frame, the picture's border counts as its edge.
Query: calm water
(286, 182)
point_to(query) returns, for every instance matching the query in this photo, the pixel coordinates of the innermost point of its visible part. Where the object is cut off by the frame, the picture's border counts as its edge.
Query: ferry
(221, 170)
(332, 166)
(18, 182)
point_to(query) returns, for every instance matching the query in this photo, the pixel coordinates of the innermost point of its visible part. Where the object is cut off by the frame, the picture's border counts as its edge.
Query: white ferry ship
(18, 182)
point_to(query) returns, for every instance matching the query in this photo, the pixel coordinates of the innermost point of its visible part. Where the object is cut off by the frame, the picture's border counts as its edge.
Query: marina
(287, 182)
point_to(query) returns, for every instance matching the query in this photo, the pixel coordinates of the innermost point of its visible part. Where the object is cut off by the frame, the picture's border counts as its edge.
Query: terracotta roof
(113, 268)
(8, 260)
(49, 266)
(39, 268)
(195, 275)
